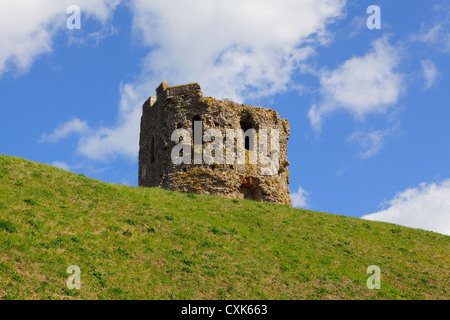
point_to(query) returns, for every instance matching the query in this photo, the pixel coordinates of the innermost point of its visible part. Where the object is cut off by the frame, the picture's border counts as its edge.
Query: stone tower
(197, 144)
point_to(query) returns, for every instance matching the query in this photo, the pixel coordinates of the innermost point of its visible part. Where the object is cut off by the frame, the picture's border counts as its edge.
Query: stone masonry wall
(176, 108)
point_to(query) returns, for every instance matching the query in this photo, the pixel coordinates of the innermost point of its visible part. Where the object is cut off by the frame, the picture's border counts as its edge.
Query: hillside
(139, 243)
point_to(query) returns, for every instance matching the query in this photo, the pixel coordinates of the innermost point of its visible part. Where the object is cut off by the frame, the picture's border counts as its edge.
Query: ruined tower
(252, 164)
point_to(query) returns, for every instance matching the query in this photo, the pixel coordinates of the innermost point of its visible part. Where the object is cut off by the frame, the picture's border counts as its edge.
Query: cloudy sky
(369, 108)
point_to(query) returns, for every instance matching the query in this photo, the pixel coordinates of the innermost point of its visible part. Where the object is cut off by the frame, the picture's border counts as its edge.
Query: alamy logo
(374, 21)
(374, 281)
(74, 20)
(74, 280)
(234, 152)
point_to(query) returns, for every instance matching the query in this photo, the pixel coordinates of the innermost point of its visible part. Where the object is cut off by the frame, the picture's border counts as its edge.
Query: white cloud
(104, 143)
(234, 49)
(299, 198)
(425, 207)
(96, 36)
(430, 73)
(357, 25)
(28, 26)
(371, 142)
(361, 85)
(122, 139)
(436, 34)
(65, 129)
(61, 165)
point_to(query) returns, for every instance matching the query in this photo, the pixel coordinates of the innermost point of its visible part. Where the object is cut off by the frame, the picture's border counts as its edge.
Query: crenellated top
(185, 90)
(236, 176)
(150, 102)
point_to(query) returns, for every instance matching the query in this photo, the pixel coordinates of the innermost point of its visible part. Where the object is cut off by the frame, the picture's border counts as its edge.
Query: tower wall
(176, 108)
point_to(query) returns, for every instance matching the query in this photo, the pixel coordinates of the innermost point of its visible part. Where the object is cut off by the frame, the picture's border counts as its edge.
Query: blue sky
(368, 108)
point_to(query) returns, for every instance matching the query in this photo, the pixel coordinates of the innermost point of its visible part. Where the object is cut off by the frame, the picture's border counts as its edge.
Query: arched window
(246, 125)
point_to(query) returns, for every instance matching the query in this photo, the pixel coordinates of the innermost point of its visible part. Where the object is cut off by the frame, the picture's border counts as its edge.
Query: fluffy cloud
(361, 85)
(425, 207)
(299, 198)
(65, 129)
(371, 142)
(28, 26)
(436, 33)
(123, 139)
(101, 144)
(430, 73)
(436, 36)
(235, 49)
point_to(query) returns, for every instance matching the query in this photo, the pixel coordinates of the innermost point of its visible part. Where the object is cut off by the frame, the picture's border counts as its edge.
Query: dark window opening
(195, 118)
(246, 125)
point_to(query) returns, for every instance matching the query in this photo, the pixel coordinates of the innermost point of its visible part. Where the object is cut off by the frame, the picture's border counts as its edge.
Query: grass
(140, 243)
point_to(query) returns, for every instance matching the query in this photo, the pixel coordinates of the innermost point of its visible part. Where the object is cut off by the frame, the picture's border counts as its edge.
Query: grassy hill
(138, 243)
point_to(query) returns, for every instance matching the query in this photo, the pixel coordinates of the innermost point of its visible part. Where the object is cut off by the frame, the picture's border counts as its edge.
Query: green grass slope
(139, 243)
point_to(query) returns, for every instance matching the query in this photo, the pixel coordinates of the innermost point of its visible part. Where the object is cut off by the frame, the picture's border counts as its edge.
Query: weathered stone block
(178, 107)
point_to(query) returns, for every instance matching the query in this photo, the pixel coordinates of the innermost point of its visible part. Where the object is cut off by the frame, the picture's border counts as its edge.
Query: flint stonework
(178, 107)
